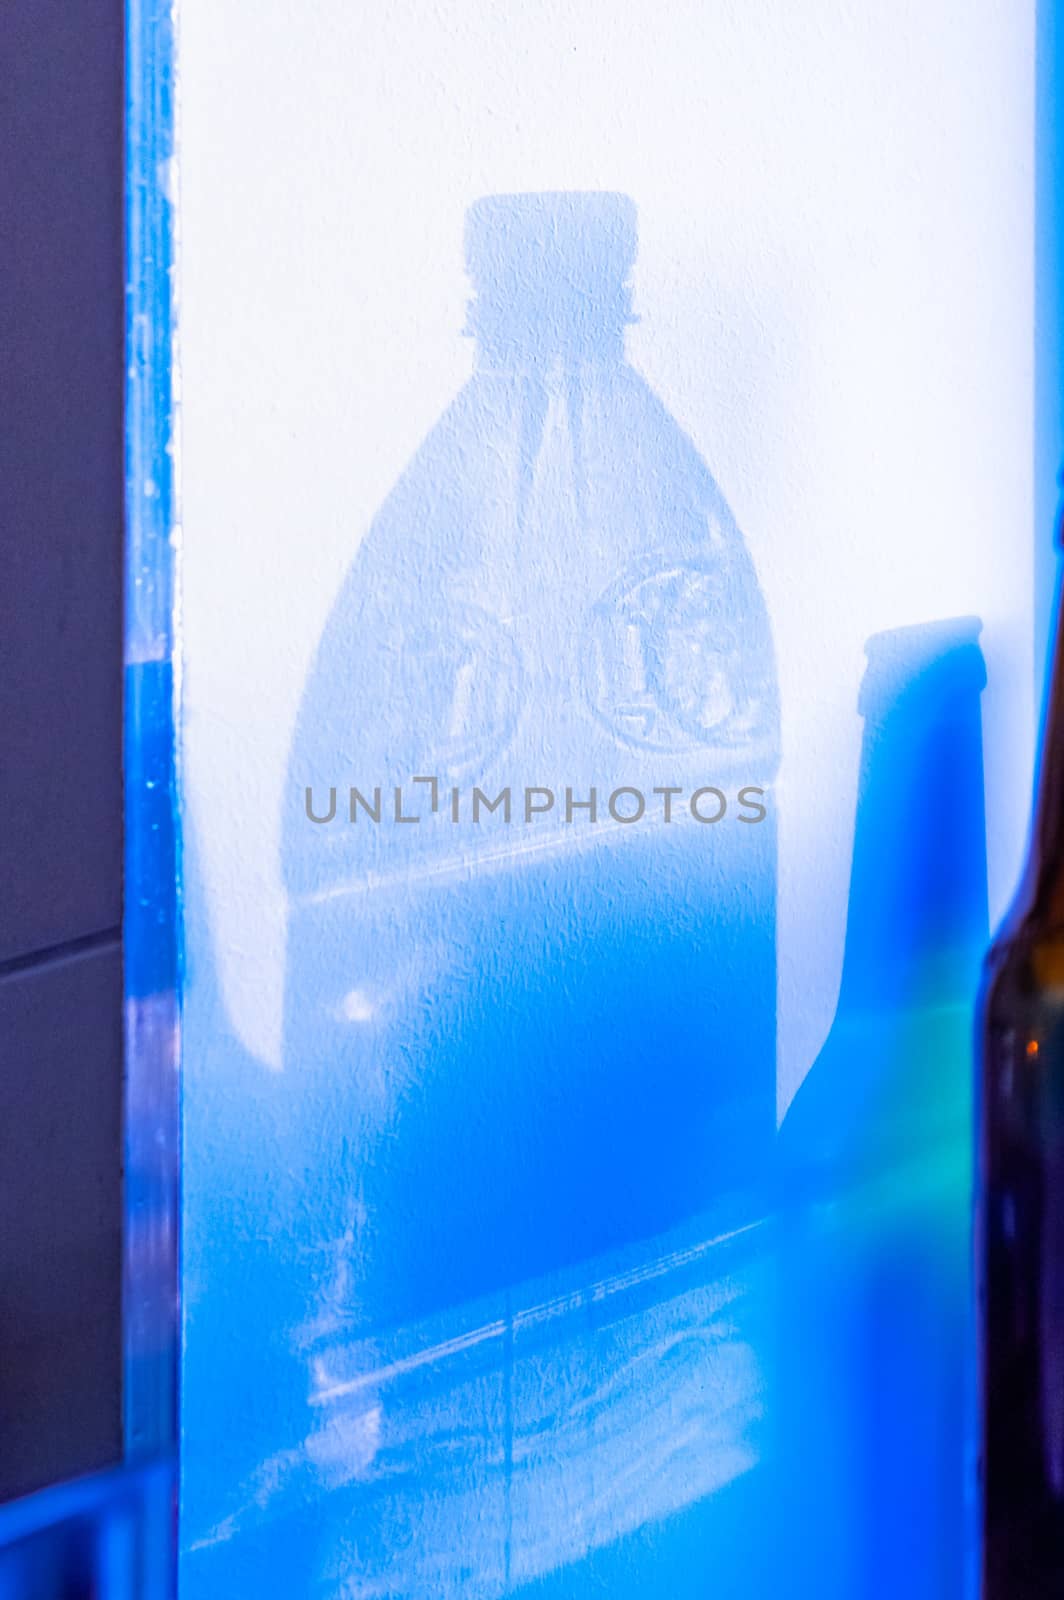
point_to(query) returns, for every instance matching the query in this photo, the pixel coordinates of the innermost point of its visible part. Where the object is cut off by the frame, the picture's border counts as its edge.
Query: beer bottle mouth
(550, 274)
(946, 650)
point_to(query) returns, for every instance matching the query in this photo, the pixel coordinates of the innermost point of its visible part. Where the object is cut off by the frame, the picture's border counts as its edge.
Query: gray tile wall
(61, 551)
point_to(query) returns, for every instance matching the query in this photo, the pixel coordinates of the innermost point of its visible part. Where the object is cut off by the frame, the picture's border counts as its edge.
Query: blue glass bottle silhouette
(893, 1075)
(875, 1153)
(536, 1035)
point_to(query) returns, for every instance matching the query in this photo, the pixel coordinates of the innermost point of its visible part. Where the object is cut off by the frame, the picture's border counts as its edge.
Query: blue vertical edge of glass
(152, 949)
(113, 1534)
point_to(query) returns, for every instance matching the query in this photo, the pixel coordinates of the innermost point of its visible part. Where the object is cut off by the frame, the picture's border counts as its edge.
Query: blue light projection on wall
(496, 1288)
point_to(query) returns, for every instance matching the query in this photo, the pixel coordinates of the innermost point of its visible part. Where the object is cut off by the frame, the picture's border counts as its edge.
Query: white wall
(835, 286)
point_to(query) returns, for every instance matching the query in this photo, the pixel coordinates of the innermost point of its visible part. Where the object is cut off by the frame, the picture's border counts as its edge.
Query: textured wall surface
(834, 287)
(730, 481)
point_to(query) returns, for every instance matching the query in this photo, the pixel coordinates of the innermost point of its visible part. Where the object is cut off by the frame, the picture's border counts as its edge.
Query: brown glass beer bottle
(1020, 1206)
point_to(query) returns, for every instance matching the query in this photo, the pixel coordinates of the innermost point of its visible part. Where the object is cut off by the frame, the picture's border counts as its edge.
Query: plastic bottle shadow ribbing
(876, 1173)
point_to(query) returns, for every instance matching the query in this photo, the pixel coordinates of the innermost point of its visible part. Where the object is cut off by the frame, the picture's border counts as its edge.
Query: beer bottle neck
(1043, 896)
